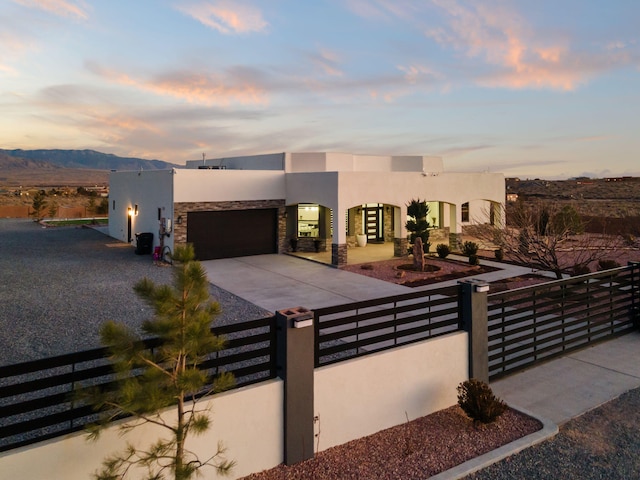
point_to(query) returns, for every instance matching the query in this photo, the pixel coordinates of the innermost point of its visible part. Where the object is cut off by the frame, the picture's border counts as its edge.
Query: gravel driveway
(58, 285)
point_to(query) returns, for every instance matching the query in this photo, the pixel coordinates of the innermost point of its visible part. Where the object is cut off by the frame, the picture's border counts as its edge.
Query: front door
(374, 223)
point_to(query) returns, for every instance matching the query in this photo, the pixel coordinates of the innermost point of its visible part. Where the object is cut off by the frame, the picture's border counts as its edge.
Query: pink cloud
(63, 8)
(226, 17)
(501, 38)
(328, 61)
(207, 89)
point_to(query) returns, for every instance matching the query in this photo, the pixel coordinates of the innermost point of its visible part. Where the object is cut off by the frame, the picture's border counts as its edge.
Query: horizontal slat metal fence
(37, 397)
(537, 323)
(360, 328)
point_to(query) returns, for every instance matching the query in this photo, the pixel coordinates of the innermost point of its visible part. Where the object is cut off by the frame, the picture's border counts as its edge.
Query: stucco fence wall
(353, 399)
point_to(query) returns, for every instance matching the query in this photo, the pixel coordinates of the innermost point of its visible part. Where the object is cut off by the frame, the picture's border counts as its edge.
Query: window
(308, 219)
(465, 212)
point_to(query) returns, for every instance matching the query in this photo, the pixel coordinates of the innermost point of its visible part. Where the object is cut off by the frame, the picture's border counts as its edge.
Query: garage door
(232, 233)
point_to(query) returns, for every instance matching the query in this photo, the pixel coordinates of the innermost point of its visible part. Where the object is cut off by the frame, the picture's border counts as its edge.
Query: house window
(308, 219)
(465, 212)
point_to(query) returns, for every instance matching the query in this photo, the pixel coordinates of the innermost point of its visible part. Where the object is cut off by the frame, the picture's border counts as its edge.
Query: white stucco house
(238, 206)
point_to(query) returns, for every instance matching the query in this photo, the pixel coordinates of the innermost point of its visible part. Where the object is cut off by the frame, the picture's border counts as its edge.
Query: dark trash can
(144, 243)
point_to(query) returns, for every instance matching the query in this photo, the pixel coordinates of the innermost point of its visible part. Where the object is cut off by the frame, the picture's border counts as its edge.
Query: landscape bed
(417, 449)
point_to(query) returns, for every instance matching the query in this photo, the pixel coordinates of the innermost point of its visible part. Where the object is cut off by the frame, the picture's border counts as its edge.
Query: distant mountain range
(87, 159)
(42, 168)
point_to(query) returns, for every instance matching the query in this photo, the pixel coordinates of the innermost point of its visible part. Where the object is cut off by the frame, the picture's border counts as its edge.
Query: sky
(535, 89)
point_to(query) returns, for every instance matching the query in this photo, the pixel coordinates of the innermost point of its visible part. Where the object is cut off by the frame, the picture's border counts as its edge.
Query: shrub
(607, 264)
(474, 260)
(478, 401)
(443, 250)
(499, 253)
(469, 248)
(580, 270)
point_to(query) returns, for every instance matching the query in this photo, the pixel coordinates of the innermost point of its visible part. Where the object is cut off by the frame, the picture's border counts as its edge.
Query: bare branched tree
(548, 236)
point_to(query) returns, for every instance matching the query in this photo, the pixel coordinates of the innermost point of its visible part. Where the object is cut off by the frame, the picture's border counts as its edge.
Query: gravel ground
(415, 450)
(60, 284)
(601, 444)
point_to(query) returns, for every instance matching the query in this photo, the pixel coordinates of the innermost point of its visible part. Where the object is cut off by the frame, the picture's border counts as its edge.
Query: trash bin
(144, 243)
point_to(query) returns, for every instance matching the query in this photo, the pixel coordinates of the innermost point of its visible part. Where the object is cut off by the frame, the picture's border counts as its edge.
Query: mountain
(87, 159)
(49, 168)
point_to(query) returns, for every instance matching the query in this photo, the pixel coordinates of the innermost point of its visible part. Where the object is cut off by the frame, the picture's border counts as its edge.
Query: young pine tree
(168, 376)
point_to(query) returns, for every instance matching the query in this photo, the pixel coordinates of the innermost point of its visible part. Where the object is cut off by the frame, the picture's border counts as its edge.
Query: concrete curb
(549, 430)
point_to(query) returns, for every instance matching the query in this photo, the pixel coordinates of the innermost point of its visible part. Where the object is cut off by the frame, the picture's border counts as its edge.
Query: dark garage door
(232, 233)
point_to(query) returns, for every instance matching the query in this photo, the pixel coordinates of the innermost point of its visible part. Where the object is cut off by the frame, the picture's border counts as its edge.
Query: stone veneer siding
(400, 247)
(182, 209)
(338, 254)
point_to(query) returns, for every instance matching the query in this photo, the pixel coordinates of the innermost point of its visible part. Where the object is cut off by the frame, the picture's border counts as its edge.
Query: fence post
(635, 293)
(473, 318)
(295, 366)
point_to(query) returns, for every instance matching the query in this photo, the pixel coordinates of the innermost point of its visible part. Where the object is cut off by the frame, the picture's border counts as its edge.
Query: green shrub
(443, 250)
(474, 260)
(478, 401)
(607, 264)
(469, 248)
(499, 253)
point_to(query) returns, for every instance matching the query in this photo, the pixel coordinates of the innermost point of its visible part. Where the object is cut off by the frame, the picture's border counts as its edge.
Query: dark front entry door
(374, 223)
(233, 233)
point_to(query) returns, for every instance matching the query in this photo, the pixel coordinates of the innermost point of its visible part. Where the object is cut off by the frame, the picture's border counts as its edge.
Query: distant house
(512, 197)
(239, 206)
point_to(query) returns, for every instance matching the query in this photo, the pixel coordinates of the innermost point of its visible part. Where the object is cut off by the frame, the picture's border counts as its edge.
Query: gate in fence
(537, 323)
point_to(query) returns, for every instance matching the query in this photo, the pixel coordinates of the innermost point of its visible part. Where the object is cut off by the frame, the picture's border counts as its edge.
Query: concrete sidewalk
(571, 385)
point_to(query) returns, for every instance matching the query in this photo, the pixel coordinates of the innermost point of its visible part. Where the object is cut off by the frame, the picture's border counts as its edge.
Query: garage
(233, 233)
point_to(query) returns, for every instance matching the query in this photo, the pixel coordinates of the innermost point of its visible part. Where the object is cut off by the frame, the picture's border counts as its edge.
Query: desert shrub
(580, 270)
(443, 250)
(499, 253)
(478, 401)
(604, 264)
(474, 260)
(470, 248)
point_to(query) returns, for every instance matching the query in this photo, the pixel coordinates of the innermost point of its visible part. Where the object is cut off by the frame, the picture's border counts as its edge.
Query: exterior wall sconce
(135, 210)
(179, 220)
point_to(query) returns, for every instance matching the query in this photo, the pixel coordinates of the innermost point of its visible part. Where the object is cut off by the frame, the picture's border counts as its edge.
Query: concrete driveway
(275, 282)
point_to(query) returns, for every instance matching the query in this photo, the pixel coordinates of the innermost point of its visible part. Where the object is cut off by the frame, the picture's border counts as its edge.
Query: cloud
(226, 17)
(62, 8)
(328, 61)
(237, 87)
(513, 53)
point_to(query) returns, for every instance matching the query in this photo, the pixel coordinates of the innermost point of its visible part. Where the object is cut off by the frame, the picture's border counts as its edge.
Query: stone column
(473, 318)
(295, 366)
(400, 247)
(338, 254)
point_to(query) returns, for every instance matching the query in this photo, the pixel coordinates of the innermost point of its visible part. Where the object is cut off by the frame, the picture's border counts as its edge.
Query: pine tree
(168, 376)
(38, 204)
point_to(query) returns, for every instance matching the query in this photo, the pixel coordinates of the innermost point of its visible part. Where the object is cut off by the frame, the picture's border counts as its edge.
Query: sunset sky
(544, 88)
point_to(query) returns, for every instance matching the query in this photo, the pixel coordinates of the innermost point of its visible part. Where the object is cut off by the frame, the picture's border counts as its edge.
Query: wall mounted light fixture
(135, 210)
(179, 220)
(130, 211)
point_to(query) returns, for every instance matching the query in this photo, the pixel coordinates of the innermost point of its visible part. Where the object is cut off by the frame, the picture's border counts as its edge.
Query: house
(251, 205)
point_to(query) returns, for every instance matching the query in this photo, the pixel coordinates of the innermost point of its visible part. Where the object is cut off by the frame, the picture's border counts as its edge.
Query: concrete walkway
(275, 282)
(571, 385)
